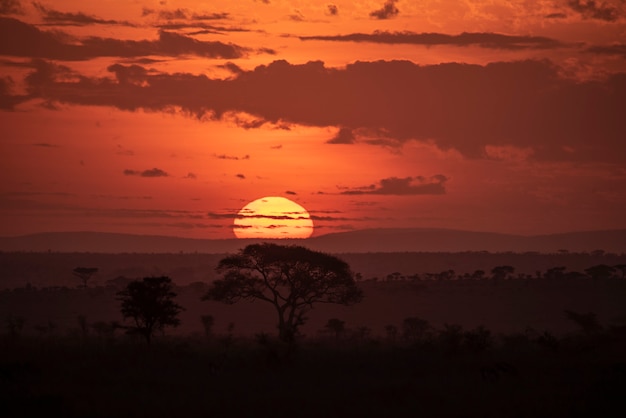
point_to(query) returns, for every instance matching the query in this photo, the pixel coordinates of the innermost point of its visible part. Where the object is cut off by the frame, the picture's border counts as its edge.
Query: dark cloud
(173, 14)
(124, 151)
(201, 28)
(403, 186)
(591, 9)
(485, 40)
(191, 176)
(466, 107)
(285, 217)
(556, 16)
(11, 7)
(45, 145)
(292, 193)
(8, 100)
(232, 67)
(184, 14)
(333, 10)
(34, 43)
(240, 176)
(616, 49)
(153, 172)
(211, 16)
(56, 17)
(388, 10)
(297, 16)
(343, 136)
(231, 157)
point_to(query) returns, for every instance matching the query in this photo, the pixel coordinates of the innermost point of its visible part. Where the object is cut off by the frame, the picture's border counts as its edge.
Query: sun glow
(273, 217)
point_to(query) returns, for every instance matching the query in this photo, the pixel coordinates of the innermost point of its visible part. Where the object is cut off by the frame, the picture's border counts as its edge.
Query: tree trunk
(286, 331)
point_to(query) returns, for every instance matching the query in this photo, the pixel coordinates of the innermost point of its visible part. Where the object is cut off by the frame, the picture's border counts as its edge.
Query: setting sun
(273, 217)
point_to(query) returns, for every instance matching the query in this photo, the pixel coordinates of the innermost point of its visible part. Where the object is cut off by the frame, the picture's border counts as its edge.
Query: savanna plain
(436, 334)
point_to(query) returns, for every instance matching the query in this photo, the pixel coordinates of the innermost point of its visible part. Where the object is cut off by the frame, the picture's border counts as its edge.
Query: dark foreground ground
(442, 373)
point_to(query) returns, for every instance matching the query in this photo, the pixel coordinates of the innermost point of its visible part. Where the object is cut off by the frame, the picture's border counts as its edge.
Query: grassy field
(440, 374)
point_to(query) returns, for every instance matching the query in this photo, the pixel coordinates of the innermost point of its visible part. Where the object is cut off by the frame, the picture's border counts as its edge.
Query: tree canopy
(291, 278)
(150, 303)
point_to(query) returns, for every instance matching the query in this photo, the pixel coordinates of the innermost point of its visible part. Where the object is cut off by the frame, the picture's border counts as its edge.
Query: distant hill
(367, 240)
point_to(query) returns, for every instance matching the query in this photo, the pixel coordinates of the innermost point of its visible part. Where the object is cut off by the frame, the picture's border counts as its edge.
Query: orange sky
(167, 117)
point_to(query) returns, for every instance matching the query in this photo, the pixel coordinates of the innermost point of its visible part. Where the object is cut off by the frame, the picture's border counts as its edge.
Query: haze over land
(374, 240)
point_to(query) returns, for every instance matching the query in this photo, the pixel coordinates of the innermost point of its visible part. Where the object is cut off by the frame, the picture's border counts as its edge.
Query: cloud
(482, 39)
(8, 7)
(284, 217)
(240, 176)
(388, 10)
(556, 15)
(184, 14)
(173, 14)
(231, 157)
(8, 101)
(45, 145)
(465, 107)
(292, 193)
(343, 136)
(153, 172)
(407, 186)
(591, 9)
(191, 176)
(124, 151)
(78, 19)
(297, 16)
(333, 10)
(35, 43)
(616, 49)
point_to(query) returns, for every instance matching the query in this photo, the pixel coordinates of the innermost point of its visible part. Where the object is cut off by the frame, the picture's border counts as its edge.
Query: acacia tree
(84, 273)
(150, 303)
(290, 278)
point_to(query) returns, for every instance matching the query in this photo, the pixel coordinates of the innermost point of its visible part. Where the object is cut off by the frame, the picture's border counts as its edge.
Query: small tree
(336, 326)
(207, 323)
(414, 328)
(84, 273)
(502, 272)
(600, 271)
(150, 303)
(290, 278)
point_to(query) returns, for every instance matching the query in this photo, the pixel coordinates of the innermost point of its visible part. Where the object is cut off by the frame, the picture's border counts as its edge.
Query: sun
(273, 217)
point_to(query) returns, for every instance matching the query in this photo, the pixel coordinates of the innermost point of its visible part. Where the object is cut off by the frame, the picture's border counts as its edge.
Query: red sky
(167, 117)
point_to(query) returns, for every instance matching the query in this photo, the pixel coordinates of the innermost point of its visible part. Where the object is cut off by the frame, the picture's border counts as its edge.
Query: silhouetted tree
(106, 329)
(290, 278)
(84, 273)
(622, 269)
(600, 271)
(336, 326)
(150, 303)
(207, 323)
(15, 324)
(478, 339)
(588, 322)
(83, 325)
(555, 273)
(478, 275)
(414, 328)
(502, 272)
(392, 332)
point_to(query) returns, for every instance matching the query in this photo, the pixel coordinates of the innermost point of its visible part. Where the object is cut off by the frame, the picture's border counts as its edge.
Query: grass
(193, 377)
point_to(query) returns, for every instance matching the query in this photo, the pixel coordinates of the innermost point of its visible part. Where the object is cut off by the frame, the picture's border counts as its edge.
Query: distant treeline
(55, 269)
